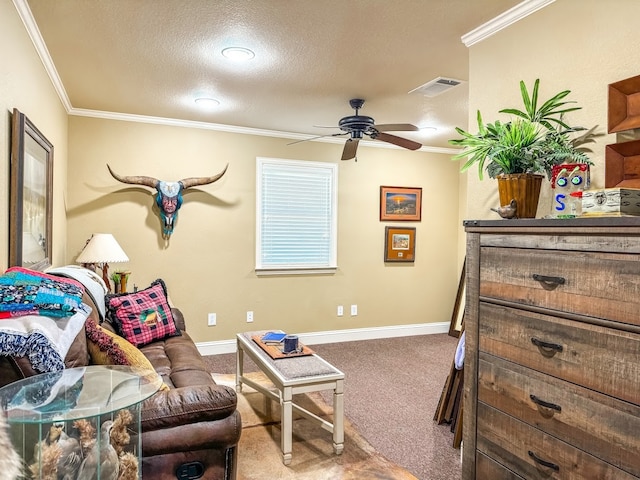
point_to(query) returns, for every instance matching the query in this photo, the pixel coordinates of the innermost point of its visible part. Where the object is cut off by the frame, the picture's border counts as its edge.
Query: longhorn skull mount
(169, 194)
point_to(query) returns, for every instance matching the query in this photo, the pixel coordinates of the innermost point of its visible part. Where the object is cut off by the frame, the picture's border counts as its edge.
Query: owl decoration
(568, 181)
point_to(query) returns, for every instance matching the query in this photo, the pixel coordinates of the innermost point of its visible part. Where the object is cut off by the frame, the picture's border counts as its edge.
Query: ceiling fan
(357, 126)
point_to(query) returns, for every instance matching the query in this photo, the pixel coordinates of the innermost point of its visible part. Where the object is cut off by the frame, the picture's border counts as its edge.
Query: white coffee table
(292, 376)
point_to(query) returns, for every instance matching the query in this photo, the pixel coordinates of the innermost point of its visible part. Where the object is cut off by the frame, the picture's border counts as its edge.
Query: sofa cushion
(144, 316)
(108, 348)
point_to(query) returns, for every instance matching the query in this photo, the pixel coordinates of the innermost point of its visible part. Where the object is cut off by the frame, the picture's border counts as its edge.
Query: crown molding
(503, 21)
(36, 38)
(174, 122)
(38, 42)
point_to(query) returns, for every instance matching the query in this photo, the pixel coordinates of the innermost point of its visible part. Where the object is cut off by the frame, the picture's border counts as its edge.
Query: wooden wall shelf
(622, 165)
(624, 105)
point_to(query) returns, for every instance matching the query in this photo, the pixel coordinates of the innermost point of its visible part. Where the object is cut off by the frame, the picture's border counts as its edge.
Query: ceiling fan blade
(319, 136)
(350, 148)
(396, 127)
(399, 141)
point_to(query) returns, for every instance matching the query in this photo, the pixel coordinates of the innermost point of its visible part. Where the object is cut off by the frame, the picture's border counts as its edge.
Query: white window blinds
(296, 215)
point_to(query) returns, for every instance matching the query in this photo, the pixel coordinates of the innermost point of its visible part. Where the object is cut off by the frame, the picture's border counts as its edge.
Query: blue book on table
(275, 337)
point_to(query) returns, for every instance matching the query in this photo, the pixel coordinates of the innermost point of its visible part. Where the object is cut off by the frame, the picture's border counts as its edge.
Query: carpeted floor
(392, 388)
(313, 456)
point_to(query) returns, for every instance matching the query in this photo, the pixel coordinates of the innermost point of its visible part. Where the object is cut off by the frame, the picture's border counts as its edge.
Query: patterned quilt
(27, 292)
(40, 316)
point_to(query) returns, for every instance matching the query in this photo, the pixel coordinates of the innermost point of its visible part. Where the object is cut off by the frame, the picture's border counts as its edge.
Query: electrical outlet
(249, 316)
(340, 310)
(354, 310)
(212, 319)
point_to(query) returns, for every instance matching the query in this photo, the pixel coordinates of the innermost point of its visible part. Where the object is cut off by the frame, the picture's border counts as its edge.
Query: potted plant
(115, 277)
(520, 151)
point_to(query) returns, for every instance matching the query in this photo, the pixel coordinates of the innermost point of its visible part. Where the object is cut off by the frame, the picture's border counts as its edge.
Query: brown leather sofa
(190, 430)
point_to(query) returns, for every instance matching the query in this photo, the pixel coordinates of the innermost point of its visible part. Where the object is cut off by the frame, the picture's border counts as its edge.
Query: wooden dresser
(552, 363)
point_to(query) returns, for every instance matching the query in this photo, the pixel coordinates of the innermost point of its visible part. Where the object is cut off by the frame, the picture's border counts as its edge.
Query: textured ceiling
(154, 57)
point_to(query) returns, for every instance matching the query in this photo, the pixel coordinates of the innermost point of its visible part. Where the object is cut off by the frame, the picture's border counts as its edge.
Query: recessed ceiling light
(238, 53)
(207, 102)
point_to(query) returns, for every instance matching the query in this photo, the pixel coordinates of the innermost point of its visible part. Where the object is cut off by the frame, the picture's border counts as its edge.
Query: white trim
(337, 336)
(24, 12)
(175, 122)
(523, 9)
(265, 272)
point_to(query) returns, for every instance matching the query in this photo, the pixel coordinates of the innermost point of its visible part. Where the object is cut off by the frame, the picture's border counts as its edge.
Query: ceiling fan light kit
(357, 126)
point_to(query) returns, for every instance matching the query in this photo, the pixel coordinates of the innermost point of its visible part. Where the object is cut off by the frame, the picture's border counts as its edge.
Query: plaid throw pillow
(144, 316)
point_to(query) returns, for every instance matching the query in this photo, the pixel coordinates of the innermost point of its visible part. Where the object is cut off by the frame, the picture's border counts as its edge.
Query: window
(296, 216)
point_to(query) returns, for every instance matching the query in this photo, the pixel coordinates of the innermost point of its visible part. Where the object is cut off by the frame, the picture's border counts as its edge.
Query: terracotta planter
(524, 188)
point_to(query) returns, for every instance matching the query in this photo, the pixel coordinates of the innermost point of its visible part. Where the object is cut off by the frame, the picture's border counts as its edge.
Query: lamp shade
(102, 248)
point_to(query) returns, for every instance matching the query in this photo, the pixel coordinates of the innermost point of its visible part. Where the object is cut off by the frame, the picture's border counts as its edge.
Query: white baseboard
(336, 336)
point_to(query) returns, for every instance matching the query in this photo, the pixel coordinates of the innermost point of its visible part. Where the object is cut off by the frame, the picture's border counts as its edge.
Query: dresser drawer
(588, 283)
(488, 469)
(606, 427)
(595, 357)
(535, 455)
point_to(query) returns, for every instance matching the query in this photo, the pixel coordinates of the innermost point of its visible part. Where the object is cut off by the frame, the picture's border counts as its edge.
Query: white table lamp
(102, 249)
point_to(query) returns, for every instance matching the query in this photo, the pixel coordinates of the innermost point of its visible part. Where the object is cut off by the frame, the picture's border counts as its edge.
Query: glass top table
(76, 393)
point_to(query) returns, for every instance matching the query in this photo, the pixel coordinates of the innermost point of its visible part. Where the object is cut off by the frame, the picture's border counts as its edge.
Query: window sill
(264, 272)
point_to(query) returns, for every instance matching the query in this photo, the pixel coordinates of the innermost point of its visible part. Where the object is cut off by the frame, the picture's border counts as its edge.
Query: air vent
(436, 86)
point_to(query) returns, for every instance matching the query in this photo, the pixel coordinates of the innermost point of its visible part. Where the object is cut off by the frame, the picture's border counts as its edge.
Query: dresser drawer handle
(547, 349)
(548, 283)
(543, 404)
(544, 463)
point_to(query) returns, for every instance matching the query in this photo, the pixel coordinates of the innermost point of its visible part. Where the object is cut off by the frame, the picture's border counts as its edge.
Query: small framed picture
(400, 203)
(399, 244)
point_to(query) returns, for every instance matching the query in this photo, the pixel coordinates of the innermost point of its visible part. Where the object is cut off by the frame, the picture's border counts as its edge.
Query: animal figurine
(169, 196)
(508, 211)
(101, 462)
(66, 449)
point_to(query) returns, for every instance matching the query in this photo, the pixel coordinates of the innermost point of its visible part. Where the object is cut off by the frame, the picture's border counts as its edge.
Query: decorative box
(568, 181)
(611, 202)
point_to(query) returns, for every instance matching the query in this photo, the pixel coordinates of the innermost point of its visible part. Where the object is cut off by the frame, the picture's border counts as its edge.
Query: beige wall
(25, 85)
(580, 45)
(208, 265)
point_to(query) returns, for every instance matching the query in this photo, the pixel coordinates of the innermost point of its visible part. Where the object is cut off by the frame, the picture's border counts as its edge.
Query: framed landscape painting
(399, 244)
(400, 203)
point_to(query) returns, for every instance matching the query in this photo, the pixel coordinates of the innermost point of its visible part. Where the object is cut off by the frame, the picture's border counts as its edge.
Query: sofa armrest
(185, 405)
(178, 318)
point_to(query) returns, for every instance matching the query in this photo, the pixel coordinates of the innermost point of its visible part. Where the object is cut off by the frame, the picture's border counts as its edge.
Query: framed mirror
(457, 317)
(31, 196)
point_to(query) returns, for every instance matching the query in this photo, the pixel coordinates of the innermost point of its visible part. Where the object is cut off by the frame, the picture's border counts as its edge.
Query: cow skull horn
(196, 181)
(135, 180)
(169, 194)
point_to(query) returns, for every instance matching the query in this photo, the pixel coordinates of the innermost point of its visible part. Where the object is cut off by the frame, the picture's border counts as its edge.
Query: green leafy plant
(533, 142)
(550, 112)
